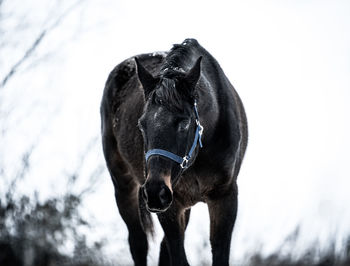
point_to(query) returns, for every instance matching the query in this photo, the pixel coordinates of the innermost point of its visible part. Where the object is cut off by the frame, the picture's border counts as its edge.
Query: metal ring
(184, 162)
(200, 129)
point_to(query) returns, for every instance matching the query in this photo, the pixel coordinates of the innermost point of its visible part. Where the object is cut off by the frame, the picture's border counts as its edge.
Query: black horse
(174, 133)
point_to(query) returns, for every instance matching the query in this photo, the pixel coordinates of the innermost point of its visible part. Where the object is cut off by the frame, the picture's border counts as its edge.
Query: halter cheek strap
(183, 161)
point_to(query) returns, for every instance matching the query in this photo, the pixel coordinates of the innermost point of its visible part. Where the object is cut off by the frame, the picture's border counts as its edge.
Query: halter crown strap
(183, 161)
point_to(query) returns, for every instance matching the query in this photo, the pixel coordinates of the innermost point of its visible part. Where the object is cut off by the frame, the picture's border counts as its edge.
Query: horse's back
(122, 82)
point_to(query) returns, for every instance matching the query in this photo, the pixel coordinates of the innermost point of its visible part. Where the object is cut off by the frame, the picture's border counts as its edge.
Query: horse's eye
(184, 125)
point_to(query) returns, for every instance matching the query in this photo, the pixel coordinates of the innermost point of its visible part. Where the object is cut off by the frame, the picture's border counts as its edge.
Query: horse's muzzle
(158, 196)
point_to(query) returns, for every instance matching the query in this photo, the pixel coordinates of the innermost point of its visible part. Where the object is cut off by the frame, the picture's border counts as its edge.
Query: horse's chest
(191, 190)
(194, 188)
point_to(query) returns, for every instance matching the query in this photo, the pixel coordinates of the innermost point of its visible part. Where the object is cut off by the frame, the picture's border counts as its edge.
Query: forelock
(169, 94)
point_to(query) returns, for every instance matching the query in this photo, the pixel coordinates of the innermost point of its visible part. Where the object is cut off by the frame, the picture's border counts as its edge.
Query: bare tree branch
(95, 177)
(30, 51)
(81, 163)
(21, 172)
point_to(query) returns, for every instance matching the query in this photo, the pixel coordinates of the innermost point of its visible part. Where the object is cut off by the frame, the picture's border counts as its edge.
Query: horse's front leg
(222, 212)
(174, 222)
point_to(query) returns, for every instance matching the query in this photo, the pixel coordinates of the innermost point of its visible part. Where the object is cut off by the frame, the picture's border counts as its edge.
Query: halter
(183, 161)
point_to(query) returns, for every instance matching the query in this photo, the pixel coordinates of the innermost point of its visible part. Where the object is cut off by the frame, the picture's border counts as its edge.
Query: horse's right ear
(148, 82)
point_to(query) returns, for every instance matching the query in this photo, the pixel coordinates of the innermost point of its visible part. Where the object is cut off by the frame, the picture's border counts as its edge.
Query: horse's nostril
(162, 195)
(165, 196)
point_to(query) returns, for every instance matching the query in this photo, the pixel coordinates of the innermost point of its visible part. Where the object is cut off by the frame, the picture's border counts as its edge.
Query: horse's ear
(147, 80)
(193, 75)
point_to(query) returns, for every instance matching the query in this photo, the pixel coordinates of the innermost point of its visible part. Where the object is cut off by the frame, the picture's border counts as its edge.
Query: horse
(174, 133)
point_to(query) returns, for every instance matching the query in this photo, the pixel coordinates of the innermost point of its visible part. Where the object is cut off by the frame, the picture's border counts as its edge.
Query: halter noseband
(183, 161)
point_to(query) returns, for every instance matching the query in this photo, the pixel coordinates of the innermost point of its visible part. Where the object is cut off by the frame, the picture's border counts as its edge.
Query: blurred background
(288, 60)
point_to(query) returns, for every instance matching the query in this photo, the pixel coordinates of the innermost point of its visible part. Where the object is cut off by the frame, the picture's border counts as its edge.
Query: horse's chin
(155, 210)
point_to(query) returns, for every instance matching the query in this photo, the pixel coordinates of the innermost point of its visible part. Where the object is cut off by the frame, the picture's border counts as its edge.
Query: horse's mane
(176, 56)
(170, 92)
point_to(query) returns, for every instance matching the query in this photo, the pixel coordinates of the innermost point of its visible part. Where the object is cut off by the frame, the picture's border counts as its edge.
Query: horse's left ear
(193, 75)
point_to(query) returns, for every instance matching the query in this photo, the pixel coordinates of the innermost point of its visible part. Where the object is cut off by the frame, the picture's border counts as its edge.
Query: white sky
(288, 60)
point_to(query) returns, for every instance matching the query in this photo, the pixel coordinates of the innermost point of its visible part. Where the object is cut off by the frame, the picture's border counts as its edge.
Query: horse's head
(167, 124)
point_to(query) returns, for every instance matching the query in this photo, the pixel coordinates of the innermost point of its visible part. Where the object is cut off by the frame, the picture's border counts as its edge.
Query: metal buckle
(184, 162)
(200, 130)
(200, 127)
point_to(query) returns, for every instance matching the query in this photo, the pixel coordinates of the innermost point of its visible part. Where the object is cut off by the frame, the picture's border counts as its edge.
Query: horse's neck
(207, 107)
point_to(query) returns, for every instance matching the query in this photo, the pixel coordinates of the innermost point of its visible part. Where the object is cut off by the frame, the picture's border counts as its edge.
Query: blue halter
(183, 161)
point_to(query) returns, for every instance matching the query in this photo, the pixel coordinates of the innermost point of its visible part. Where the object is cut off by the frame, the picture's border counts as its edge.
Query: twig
(35, 44)
(28, 53)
